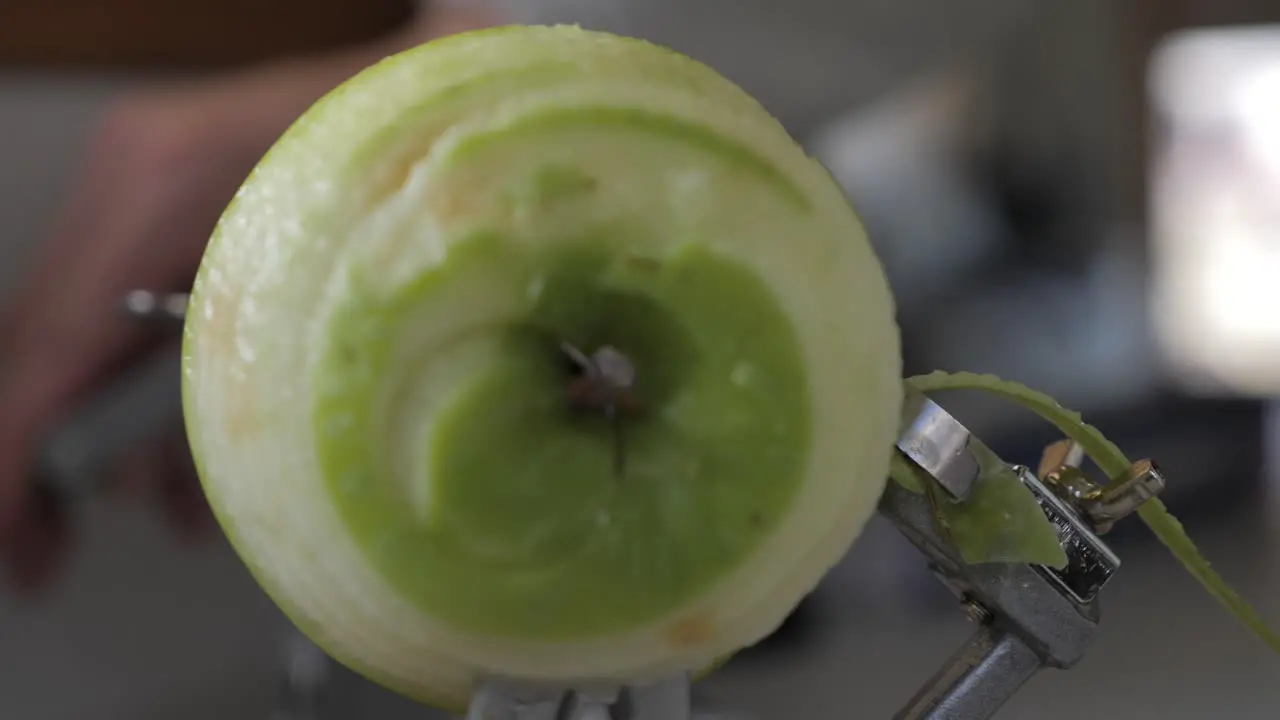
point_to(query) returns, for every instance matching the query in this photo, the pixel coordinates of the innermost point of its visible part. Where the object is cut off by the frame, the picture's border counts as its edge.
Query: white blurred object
(1215, 208)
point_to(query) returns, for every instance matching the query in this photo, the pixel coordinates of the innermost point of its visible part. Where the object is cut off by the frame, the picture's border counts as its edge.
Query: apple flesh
(506, 509)
(378, 397)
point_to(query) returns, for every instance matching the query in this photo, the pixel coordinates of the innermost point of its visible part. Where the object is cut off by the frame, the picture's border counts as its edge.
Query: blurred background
(1083, 196)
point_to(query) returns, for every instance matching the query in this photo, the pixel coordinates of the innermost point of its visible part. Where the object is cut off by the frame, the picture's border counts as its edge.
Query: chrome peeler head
(667, 699)
(1029, 617)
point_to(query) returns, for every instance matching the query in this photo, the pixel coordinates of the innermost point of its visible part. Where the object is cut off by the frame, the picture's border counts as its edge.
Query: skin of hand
(159, 169)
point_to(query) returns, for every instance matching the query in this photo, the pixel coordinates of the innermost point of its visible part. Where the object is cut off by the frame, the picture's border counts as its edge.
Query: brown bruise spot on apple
(387, 182)
(243, 417)
(692, 630)
(548, 187)
(448, 205)
(392, 176)
(214, 324)
(445, 205)
(217, 329)
(396, 161)
(644, 263)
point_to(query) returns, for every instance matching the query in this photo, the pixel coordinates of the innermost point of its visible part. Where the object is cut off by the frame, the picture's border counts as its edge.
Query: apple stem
(605, 384)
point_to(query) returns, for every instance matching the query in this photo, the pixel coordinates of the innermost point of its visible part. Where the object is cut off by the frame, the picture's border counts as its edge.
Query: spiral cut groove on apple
(377, 396)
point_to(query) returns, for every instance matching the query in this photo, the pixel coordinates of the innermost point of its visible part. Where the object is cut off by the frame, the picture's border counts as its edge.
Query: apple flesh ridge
(380, 373)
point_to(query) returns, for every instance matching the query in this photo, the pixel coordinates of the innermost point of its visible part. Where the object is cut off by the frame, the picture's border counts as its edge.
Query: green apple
(547, 354)
(391, 384)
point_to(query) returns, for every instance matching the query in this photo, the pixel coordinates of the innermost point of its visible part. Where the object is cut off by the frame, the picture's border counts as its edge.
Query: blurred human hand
(159, 169)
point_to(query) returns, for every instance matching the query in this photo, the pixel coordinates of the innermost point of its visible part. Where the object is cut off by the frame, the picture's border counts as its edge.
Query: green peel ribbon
(1001, 520)
(1113, 463)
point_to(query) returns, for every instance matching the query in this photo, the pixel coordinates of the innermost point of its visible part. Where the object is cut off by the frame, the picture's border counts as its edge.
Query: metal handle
(133, 407)
(668, 699)
(978, 680)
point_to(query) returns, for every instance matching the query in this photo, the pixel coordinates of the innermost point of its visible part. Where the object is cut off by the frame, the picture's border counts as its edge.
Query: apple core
(507, 515)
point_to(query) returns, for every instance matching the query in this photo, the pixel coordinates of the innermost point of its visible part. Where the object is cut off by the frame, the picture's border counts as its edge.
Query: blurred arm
(212, 34)
(159, 169)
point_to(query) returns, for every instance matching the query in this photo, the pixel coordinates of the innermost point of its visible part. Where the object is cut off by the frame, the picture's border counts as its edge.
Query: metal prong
(608, 379)
(667, 699)
(619, 376)
(578, 357)
(619, 442)
(305, 677)
(501, 702)
(615, 368)
(146, 305)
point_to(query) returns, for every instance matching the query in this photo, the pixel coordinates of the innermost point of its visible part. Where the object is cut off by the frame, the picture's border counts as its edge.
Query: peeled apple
(378, 398)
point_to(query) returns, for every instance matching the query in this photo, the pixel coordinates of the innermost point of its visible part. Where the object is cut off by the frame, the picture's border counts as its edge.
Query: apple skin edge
(372, 317)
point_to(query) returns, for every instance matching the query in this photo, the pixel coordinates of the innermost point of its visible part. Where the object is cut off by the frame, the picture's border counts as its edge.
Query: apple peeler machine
(1027, 617)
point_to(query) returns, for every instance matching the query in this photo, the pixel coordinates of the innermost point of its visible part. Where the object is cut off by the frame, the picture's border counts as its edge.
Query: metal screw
(975, 611)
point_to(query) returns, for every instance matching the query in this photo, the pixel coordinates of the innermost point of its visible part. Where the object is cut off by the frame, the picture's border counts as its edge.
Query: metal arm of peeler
(1029, 617)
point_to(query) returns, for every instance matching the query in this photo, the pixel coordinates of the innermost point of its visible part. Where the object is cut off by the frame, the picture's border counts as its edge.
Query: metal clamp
(669, 699)
(1102, 504)
(1030, 616)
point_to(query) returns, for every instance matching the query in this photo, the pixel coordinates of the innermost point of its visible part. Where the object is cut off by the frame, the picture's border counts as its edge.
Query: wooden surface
(183, 34)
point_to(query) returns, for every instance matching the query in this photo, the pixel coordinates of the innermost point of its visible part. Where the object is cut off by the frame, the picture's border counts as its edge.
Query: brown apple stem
(605, 383)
